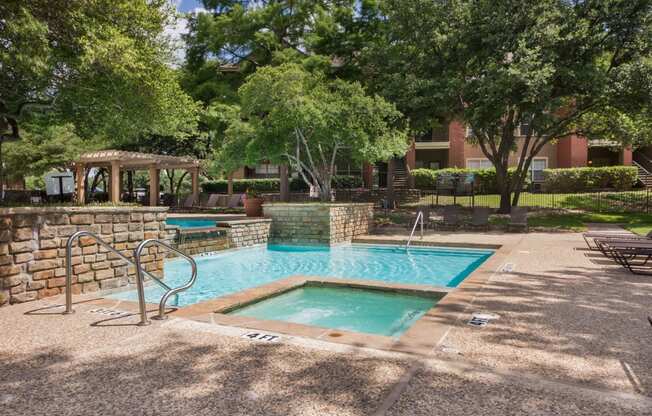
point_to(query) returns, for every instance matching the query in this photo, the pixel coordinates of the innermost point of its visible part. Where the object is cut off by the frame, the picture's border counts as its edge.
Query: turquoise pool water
(235, 270)
(191, 222)
(358, 310)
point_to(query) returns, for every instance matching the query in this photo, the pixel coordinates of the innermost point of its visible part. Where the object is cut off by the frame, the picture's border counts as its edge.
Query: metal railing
(414, 227)
(140, 273)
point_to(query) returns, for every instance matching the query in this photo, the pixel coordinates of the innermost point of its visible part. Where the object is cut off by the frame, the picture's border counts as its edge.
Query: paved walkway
(572, 338)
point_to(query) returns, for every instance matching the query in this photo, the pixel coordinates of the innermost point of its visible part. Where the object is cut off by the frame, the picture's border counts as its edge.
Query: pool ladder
(140, 273)
(414, 228)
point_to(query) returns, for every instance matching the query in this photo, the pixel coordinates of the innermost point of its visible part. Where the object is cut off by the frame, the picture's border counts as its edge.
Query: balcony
(432, 145)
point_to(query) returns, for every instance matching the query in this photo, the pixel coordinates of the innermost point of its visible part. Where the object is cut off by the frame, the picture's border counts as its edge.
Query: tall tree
(291, 115)
(101, 66)
(556, 66)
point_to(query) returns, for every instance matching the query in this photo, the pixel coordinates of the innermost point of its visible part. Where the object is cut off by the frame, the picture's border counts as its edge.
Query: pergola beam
(117, 160)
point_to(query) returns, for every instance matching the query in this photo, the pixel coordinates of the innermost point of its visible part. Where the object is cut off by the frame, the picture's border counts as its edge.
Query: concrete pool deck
(571, 338)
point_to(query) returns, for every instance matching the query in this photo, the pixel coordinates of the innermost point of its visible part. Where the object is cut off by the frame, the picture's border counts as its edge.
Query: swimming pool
(235, 270)
(352, 309)
(191, 222)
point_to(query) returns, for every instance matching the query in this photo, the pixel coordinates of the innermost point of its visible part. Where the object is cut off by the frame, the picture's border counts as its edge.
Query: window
(523, 129)
(266, 169)
(537, 167)
(478, 164)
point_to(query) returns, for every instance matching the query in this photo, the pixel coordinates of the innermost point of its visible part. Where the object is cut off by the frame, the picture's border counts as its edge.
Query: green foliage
(273, 185)
(621, 178)
(554, 65)
(484, 179)
(290, 115)
(43, 148)
(237, 37)
(102, 66)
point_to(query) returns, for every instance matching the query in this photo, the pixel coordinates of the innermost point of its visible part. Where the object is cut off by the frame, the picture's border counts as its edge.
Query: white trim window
(538, 165)
(478, 163)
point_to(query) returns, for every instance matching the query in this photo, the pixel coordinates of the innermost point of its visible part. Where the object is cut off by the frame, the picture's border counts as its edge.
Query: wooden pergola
(118, 161)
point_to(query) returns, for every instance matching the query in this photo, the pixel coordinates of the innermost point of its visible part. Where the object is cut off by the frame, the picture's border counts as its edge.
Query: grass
(576, 221)
(598, 201)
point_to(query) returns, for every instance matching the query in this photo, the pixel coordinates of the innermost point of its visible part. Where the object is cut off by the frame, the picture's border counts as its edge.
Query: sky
(188, 5)
(181, 26)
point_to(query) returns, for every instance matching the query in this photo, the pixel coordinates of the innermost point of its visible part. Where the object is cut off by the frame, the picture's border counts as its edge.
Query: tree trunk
(504, 189)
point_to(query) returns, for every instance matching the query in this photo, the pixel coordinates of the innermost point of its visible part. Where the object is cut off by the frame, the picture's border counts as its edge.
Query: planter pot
(253, 207)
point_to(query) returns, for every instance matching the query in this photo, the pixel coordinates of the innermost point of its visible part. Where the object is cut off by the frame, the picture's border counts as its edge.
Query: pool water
(360, 310)
(191, 222)
(232, 271)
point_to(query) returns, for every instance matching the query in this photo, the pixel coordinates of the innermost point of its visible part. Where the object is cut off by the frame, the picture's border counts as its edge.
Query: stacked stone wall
(33, 248)
(318, 223)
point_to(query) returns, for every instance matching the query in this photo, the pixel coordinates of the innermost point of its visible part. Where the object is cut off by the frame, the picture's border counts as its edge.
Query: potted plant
(253, 203)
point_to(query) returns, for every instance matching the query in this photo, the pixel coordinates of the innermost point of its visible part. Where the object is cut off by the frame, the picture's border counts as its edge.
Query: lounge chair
(634, 255)
(518, 219)
(235, 201)
(621, 235)
(450, 217)
(213, 199)
(480, 217)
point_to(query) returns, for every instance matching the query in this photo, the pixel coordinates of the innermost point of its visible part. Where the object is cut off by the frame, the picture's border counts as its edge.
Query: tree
(100, 66)
(235, 37)
(291, 115)
(554, 66)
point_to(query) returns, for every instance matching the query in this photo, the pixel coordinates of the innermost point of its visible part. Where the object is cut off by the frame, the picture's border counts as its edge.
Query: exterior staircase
(400, 175)
(644, 176)
(644, 166)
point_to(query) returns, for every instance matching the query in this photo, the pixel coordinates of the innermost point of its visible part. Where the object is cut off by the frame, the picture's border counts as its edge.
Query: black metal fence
(607, 201)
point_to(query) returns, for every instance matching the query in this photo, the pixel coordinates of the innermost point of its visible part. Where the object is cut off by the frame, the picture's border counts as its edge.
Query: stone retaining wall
(247, 233)
(318, 223)
(33, 241)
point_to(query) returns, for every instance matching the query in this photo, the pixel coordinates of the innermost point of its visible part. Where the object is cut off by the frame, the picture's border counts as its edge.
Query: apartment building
(447, 147)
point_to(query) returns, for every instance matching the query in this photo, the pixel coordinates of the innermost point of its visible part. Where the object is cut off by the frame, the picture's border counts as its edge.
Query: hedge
(485, 179)
(620, 178)
(274, 184)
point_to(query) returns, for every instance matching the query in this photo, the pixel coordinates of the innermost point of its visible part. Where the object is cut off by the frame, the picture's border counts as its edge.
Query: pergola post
(229, 184)
(285, 183)
(115, 181)
(194, 172)
(80, 182)
(154, 174)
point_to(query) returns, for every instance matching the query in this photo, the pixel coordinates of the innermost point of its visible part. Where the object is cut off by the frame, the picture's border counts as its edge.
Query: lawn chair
(480, 218)
(518, 219)
(633, 255)
(235, 201)
(213, 199)
(619, 235)
(450, 217)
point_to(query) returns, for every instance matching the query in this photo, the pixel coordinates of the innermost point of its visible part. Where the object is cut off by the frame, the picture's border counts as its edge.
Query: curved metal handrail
(140, 273)
(416, 222)
(139, 270)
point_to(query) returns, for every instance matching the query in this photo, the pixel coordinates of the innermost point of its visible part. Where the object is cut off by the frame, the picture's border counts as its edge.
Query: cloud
(175, 31)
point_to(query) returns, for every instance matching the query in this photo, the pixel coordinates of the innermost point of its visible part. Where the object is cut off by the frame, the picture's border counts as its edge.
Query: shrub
(621, 178)
(485, 179)
(274, 184)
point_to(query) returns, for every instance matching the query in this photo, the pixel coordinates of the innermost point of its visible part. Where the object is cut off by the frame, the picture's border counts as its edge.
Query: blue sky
(188, 5)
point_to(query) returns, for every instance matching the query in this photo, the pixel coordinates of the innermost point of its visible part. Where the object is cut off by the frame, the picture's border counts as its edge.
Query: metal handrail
(419, 218)
(139, 273)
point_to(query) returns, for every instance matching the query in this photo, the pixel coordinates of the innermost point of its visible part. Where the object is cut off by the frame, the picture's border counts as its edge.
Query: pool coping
(422, 338)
